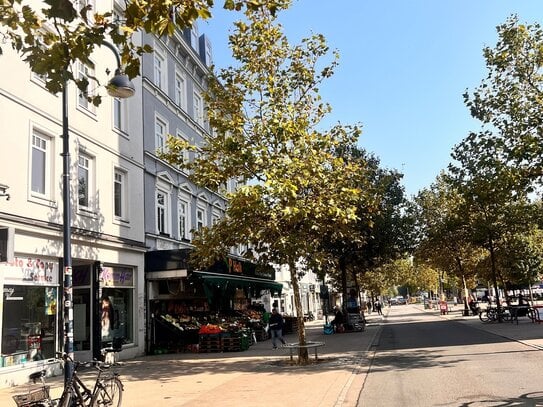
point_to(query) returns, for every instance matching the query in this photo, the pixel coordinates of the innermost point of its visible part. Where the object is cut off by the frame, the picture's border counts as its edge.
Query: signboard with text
(30, 270)
(242, 268)
(116, 277)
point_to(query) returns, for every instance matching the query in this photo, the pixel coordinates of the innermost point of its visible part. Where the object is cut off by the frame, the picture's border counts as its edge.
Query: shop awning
(228, 281)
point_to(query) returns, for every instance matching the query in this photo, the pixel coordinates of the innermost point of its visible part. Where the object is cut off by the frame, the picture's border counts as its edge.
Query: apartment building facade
(107, 230)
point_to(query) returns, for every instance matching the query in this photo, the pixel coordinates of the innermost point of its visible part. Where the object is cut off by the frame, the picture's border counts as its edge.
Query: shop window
(29, 328)
(117, 304)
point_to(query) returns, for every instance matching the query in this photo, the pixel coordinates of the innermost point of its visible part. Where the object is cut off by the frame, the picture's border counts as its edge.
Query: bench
(309, 344)
(538, 310)
(523, 311)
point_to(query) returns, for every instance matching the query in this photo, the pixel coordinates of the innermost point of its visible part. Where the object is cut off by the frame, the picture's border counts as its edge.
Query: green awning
(228, 281)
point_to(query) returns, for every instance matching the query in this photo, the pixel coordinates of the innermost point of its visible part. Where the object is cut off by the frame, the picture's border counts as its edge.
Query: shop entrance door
(83, 311)
(82, 323)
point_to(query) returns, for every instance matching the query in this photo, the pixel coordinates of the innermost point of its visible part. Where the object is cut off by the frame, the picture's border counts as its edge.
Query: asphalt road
(422, 360)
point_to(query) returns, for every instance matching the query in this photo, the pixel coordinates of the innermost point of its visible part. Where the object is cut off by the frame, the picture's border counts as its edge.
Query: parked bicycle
(508, 313)
(107, 389)
(492, 314)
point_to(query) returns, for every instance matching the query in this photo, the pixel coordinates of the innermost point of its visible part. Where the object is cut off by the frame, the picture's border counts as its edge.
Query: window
(39, 182)
(119, 114)
(206, 50)
(186, 156)
(118, 292)
(162, 212)
(200, 218)
(161, 130)
(29, 331)
(216, 217)
(159, 68)
(180, 90)
(84, 177)
(194, 36)
(119, 194)
(85, 73)
(183, 210)
(198, 106)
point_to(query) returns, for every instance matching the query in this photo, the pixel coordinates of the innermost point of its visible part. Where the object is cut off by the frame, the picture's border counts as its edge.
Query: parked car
(400, 300)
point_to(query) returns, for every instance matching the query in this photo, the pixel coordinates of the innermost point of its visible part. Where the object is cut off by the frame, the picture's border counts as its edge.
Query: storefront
(29, 312)
(103, 307)
(181, 300)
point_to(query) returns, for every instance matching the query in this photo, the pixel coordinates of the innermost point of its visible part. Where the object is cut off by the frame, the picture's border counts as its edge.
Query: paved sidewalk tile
(246, 378)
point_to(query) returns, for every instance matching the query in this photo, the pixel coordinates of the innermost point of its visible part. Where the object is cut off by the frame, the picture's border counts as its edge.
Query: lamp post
(119, 86)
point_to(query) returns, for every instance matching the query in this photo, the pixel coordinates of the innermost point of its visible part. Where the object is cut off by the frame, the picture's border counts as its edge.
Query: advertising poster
(50, 301)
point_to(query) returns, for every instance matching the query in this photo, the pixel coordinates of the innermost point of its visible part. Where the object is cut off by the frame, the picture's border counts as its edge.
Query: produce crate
(231, 344)
(209, 343)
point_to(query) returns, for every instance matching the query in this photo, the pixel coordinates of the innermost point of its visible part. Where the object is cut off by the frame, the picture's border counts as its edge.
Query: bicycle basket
(23, 400)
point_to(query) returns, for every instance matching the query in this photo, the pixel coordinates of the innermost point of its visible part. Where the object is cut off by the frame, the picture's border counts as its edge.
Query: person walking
(276, 328)
(378, 307)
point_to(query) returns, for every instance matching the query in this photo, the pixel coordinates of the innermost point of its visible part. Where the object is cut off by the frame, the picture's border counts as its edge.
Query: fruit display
(182, 323)
(209, 329)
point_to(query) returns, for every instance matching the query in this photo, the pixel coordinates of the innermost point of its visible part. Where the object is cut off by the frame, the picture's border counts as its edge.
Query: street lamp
(119, 86)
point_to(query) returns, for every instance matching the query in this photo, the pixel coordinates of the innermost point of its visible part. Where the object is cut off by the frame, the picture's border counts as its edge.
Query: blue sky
(404, 65)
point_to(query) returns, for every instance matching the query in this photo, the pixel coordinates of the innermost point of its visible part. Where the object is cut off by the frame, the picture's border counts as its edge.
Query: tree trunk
(303, 355)
(464, 285)
(343, 271)
(494, 275)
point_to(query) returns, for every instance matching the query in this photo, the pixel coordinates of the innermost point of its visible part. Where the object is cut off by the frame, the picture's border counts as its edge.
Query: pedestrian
(276, 328)
(337, 322)
(378, 307)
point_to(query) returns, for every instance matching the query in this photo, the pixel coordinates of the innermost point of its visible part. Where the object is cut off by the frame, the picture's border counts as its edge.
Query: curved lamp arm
(120, 86)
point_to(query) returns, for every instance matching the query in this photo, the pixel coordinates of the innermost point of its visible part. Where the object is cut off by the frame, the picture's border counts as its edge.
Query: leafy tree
(495, 200)
(265, 112)
(496, 167)
(510, 99)
(381, 233)
(522, 258)
(52, 35)
(445, 240)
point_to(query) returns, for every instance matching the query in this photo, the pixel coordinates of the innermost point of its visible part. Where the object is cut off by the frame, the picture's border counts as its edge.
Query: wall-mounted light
(3, 191)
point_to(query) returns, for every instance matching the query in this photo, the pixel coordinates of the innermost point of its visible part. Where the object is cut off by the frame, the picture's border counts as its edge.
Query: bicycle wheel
(109, 393)
(484, 316)
(506, 316)
(65, 400)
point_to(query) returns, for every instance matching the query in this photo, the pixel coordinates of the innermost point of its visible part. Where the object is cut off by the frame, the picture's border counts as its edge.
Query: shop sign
(235, 266)
(242, 268)
(30, 270)
(267, 273)
(117, 277)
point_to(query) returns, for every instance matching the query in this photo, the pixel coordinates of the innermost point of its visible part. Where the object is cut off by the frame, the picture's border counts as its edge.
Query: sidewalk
(258, 376)
(262, 376)
(525, 331)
